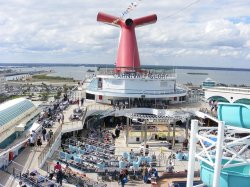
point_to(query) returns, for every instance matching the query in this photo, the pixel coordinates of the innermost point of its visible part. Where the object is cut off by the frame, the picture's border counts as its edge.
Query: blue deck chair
(62, 155)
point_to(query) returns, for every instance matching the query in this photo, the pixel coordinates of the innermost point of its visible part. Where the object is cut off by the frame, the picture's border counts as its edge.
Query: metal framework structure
(171, 118)
(217, 143)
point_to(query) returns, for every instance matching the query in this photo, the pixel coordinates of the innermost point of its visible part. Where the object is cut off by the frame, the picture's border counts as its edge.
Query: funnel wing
(108, 19)
(145, 20)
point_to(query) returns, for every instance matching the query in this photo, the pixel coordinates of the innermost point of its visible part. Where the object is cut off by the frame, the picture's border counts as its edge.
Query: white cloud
(67, 29)
(248, 56)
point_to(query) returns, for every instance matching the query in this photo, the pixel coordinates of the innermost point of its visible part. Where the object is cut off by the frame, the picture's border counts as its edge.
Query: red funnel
(128, 56)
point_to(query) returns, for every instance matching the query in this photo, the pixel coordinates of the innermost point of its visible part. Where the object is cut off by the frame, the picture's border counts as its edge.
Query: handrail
(46, 149)
(14, 171)
(244, 90)
(72, 126)
(97, 107)
(148, 92)
(84, 116)
(145, 73)
(78, 174)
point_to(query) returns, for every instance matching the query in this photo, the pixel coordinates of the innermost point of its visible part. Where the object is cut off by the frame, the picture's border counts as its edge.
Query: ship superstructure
(128, 82)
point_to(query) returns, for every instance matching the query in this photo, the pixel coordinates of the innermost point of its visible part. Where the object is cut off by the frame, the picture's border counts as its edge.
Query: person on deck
(39, 142)
(170, 167)
(31, 141)
(145, 174)
(123, 178)
(117, 132)
(44, 133)
(58, 166)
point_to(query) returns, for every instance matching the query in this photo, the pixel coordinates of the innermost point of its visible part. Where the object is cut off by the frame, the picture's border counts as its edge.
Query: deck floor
(28, 158)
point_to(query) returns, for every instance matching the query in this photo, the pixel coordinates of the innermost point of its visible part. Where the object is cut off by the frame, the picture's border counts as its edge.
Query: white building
(208, 83)
(17, 77)
(228, 94)
(2, 83)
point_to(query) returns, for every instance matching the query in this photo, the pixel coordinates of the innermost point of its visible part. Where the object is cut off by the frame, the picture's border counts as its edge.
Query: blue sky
(208, 33)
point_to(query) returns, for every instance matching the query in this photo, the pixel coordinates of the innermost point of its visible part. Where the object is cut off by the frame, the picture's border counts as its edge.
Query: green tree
(44, 96)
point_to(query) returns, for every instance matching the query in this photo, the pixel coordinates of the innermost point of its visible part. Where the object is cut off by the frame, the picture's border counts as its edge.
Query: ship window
(90, 96)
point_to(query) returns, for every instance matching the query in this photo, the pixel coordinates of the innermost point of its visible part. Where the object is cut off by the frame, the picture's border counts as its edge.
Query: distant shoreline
(112, 66)
(197, 73)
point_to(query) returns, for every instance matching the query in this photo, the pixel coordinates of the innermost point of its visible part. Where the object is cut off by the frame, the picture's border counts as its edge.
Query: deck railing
(242, 90)
(49, 145)
(17, 171)
(142, 72)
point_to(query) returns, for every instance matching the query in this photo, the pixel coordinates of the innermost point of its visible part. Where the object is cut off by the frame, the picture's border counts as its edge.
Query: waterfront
(220, 76)
(183, 75)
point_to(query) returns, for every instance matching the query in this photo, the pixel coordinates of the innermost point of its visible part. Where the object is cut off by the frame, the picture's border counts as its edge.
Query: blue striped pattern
(14, 111)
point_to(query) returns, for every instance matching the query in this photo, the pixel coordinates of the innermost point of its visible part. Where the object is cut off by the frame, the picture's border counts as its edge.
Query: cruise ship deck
(31, 158)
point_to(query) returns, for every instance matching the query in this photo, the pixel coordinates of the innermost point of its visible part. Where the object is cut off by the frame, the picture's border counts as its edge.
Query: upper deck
(147, 73)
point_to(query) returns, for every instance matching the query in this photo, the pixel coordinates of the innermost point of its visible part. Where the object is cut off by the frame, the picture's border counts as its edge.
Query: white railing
(50, 147)
(16, 170)
(217, 144)
(230, 89)
(143, 72)
(72, 126)
(98, 107)
(140, 91)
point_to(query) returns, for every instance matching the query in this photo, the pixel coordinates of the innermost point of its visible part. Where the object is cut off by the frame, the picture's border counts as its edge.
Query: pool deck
(28, 158)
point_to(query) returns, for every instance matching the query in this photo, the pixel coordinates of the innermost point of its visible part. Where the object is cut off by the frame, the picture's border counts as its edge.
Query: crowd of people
(66, 174)
(34, 178)
(36, 139)
(213, 105)
(150, 174)
(51, 114)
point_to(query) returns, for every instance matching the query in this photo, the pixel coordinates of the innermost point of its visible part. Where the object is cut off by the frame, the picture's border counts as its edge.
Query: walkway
(28, 158)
